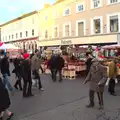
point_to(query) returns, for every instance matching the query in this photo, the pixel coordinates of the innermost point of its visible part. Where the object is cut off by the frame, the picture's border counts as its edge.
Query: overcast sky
(10, 9)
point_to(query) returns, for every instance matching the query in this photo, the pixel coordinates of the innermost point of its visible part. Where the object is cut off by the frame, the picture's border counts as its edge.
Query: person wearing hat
(35, 66)
(97, 77)
(26, 69)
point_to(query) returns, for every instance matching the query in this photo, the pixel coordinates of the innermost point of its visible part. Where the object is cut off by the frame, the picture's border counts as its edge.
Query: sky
(10, 9)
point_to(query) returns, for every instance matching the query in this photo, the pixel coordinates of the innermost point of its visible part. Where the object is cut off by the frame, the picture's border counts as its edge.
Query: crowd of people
(26, 68)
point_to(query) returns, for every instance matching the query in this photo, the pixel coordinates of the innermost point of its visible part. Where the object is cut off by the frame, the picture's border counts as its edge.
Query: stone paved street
(63, 101)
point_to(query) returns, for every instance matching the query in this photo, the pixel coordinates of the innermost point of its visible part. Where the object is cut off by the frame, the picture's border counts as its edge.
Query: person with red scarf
(26, 69)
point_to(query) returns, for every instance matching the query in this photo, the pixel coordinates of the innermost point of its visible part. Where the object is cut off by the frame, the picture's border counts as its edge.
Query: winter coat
(26, 69)
(5, 66)
(60, 63)
(4, 99)
(18, 66)
(112, 70)
(97, 76)
(35, 63)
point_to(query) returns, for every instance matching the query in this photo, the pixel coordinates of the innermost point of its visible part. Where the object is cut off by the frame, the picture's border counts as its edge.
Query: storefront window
(114, 23)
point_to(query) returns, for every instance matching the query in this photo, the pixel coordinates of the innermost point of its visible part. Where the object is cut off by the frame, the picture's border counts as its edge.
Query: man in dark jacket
(56, 64)
(18, 71)
(60, 65)
(88, 62)
(26, 69)
(5, 71)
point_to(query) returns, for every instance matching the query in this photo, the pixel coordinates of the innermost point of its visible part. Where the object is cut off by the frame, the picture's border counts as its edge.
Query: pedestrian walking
(88, 62)
(36, 66)
(60, 65)
(112, 74)
(18, 71)
(5, 70)
(55, 64)
(4, 101)
(26, 69)
(97, 77)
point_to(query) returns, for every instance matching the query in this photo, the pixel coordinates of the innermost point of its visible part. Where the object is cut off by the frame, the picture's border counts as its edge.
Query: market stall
(13, 50)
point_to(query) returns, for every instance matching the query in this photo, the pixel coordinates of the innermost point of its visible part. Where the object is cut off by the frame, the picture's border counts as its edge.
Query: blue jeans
(7, 83)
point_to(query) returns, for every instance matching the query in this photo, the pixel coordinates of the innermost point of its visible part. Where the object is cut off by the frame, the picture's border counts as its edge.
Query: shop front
(87, 40)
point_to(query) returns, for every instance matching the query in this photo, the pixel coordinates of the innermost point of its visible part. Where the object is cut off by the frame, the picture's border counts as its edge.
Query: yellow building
(80, 22)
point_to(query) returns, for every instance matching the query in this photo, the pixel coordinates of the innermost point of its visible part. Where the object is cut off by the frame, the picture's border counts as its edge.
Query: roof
(19, 18)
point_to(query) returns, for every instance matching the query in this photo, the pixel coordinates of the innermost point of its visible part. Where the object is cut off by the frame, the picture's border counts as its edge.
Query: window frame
(109, 3)
(33, 32)
(70, 29)
(53, 34)
(92, 4)
(79, 21)
(108, 21)
(101, 25)
(78, 4)
(65, 10)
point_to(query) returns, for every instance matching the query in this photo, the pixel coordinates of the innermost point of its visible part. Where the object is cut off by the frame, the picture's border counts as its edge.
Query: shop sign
(66, 42)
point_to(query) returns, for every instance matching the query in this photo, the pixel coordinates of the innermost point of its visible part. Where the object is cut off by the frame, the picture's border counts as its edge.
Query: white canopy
(8, 46)
(111, 46)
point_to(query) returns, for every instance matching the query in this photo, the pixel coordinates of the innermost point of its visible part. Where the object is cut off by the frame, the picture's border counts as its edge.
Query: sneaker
(41, 89)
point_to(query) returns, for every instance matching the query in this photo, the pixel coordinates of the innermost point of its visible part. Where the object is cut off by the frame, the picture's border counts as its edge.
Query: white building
(23, 31)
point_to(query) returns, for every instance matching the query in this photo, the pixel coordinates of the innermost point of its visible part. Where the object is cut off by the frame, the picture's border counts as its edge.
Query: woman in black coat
(4, 101)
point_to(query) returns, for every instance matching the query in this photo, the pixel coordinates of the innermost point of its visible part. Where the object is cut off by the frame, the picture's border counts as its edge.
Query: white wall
(23, 25)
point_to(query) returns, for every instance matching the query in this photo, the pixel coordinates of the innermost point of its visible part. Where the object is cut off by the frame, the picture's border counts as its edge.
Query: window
(80, 28)
(114, 26)
(67, 12)
(33, 32)
(113, 1)
(26, 33)
(79, 8)
(46, 34)
(96, 3)
(55, 32)
(67, 30)
(20, 34)
(97, 25)
(12, 36)
(16, 35)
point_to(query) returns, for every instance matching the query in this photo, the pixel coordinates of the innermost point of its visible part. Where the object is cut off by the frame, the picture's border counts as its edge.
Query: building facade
(80, 22)
(23, 31)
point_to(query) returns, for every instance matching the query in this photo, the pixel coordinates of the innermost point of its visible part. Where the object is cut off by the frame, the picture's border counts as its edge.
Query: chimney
(46, 5)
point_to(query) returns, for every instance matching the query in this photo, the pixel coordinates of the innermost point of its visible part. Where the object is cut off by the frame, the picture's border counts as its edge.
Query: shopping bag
(116, 81)
(107, 82)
